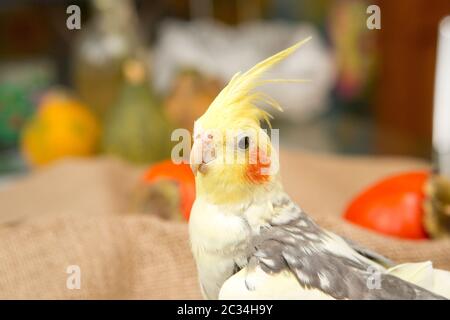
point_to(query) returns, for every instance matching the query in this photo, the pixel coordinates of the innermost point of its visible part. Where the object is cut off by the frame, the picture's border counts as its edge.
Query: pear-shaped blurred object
(110, 38)
(136, 128)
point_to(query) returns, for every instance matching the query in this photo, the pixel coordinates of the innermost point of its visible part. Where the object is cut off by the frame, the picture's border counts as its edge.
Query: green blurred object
(12, 164)
(15, 109)
(136, 128)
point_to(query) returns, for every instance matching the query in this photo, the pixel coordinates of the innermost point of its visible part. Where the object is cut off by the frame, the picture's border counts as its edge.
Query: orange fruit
(393, 206)
(62, 127)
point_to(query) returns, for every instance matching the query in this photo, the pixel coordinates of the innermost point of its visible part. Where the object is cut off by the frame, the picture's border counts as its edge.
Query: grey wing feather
(372, 255)
(294, 242)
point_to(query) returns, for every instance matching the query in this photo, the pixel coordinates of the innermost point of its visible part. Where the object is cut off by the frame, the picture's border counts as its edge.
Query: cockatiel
(250, 241)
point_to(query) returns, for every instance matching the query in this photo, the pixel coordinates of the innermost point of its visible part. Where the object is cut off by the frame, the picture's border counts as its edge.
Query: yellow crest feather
(237, 101)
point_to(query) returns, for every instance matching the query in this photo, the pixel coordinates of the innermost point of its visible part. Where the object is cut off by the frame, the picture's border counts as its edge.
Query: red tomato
(393, 206)
(180, 173)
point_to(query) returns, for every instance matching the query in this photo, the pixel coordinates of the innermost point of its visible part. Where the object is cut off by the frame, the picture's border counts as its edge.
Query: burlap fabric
(75, 212)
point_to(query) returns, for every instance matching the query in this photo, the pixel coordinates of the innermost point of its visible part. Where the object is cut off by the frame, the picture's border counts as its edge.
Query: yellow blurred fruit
(61, 127)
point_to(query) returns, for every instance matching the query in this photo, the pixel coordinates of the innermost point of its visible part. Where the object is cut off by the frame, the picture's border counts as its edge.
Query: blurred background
(134, 70)
(91, 90)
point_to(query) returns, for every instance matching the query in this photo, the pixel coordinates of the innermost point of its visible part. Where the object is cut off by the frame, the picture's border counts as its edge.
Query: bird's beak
(202, 153)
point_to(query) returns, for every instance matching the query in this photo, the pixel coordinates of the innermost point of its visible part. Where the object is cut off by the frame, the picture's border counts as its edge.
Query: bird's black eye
(244, 143)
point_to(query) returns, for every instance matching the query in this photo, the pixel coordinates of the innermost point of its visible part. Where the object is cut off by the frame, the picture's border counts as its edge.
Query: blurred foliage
(15, 109)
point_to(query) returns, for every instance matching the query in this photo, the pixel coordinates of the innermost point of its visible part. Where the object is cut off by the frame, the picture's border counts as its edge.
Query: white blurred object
(441, 127)
(221, 51)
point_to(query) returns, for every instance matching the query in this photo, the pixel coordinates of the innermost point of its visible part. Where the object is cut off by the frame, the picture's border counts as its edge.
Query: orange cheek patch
(258, 172)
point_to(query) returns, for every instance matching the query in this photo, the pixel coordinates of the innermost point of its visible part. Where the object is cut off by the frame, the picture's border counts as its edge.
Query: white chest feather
(219, 240)
(213, 230)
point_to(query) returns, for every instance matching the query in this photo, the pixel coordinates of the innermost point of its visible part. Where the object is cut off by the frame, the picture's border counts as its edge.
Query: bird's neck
(223, 193)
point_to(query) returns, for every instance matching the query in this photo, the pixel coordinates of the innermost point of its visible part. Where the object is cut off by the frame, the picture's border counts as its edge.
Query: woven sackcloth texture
(76, 213)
